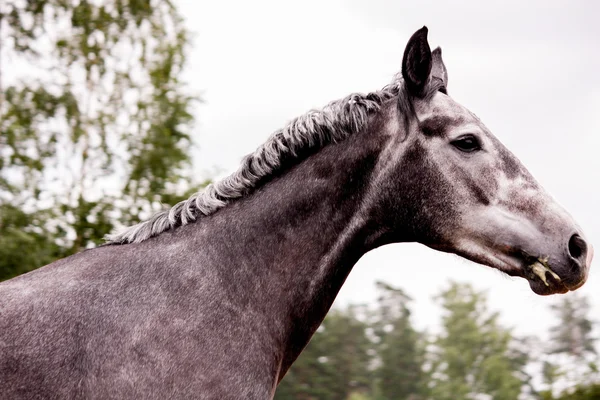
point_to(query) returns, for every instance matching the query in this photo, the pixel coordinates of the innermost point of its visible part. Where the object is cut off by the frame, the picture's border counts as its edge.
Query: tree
(399, 347)
(334, 364)
(571, 355)
(572, 335)
(589, 392)
(474, 355)
(550, 374)
(96, 128)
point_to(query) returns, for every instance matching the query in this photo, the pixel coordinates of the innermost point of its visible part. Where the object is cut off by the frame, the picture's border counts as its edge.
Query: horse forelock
(291, 144)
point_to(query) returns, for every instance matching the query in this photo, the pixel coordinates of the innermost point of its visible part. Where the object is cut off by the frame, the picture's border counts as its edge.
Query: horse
(217, 296)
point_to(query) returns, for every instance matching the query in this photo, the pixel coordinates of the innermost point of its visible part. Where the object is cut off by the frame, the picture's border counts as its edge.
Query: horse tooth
(540, 270)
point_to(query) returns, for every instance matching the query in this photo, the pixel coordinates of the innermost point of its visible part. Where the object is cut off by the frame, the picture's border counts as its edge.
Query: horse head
(451, 185)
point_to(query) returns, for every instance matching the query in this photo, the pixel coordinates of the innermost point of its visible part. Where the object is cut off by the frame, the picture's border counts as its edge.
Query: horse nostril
(577, 247)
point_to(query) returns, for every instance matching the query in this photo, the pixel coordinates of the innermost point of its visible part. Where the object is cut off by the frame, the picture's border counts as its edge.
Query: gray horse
(216, 297)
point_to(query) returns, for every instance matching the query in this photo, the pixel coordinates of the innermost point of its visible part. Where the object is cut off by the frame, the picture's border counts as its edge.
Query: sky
(529, 70)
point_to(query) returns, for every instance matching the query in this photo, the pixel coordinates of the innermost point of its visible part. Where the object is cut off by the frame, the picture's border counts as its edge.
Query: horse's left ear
(416, 63)
(438, 69)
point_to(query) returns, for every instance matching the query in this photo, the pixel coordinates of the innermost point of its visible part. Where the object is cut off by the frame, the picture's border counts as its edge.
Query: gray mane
(311, 131)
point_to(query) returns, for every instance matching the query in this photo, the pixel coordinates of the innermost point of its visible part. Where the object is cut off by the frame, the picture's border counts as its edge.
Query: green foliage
(572, 335)
(96, 133)
(571, 355)
(334, 364)
(22, 246)
(380, 356)
(591, 392)
(377, 356)
(399, 348)
(474, 355)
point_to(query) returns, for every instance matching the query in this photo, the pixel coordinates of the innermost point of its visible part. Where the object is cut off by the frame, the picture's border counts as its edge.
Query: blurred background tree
(571, 359)
(375, 353)
(95, 132)
(572, 335)
(335, 364)
(399, 348)
(474, 355)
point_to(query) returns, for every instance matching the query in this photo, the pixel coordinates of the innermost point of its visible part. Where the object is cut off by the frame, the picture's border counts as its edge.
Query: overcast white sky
(529, 70)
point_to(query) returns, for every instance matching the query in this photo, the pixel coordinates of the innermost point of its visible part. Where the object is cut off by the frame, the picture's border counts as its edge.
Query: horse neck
(297, 237)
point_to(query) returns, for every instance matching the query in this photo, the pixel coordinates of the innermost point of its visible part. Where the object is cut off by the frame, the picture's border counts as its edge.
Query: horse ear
(438, 69)
(416, 63)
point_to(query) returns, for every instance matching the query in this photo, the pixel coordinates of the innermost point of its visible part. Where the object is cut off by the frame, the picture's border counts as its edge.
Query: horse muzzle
(566, 270)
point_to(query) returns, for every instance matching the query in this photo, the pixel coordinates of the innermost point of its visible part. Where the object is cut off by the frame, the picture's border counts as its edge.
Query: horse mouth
(540, 268)
(542, 279)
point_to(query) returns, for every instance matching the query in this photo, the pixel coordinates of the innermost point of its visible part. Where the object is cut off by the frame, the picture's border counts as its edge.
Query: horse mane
(287, 146)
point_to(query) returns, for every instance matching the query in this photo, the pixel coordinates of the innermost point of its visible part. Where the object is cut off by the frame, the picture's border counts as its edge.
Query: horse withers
(216, 297)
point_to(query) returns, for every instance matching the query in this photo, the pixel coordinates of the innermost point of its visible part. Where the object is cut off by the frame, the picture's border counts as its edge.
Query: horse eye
(468, 143)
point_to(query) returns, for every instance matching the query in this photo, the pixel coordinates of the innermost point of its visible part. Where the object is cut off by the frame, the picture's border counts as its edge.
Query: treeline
(375, 353)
